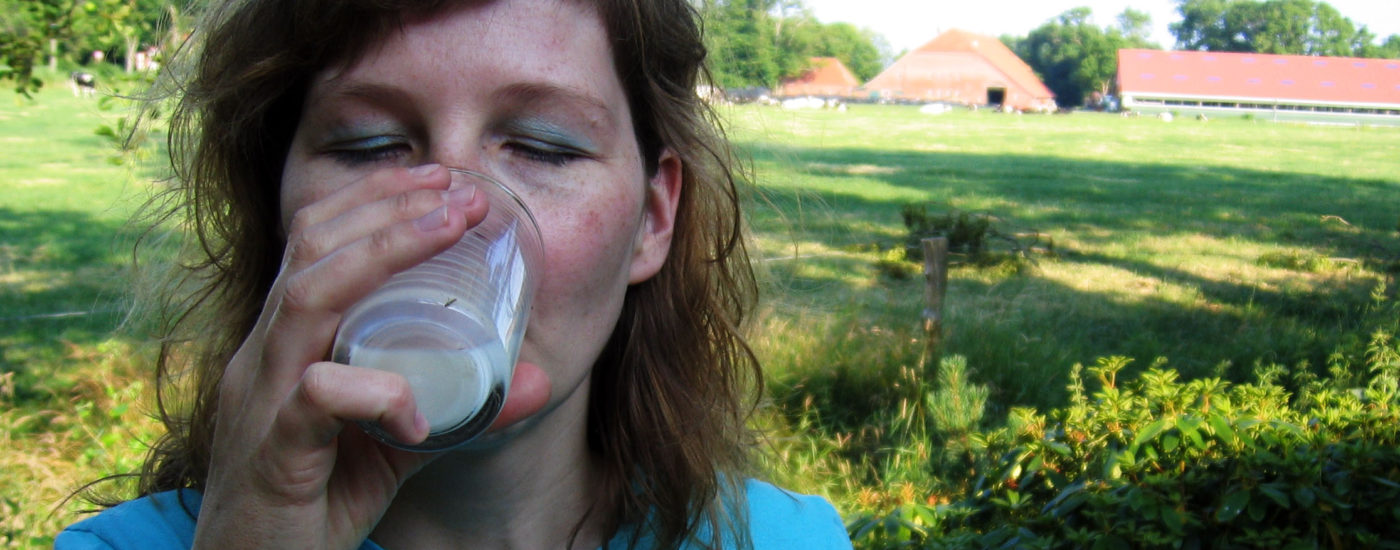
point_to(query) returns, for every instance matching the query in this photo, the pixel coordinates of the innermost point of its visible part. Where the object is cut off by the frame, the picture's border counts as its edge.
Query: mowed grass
(73, 393)
(1175, 240)
(1214, 244)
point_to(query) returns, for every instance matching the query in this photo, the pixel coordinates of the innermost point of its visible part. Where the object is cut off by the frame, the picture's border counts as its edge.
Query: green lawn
(71, 390)
(1216, 245)
(1170, 240)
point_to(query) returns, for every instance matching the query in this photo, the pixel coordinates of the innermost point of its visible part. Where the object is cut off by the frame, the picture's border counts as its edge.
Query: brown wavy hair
(674, 387)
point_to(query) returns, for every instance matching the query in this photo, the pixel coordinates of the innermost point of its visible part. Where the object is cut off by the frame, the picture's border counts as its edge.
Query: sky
(908, 24)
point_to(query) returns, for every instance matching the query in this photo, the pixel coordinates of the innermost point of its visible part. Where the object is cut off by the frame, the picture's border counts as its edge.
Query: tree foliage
(761, 42)
(1074, 57)
(34, 32)
(1297, 27)
(26, 27)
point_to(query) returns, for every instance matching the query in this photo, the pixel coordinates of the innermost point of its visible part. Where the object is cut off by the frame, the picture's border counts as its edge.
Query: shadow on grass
(63, 277)
(1351, 217)
(1026, 331)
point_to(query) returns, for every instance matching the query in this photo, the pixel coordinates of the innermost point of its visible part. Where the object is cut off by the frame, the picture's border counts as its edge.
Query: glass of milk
(452, 325)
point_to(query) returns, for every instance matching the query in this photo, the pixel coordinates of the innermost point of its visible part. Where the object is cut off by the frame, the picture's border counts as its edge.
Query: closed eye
(544, 152)
(370, 150)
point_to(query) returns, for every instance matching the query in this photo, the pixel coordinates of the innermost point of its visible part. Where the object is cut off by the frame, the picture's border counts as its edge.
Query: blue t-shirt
(777, 519)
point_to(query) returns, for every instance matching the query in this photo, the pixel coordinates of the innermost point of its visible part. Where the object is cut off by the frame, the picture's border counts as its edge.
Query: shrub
(972, 239)
(1290, 460)
(966, 233)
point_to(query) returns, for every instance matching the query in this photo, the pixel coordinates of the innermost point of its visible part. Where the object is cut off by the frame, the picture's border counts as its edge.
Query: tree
(1075, 58)
(741, 37)
(121, 27)
(761, 42)
(1135, 26)
(26, 28)
(854, 47)
(1390, 49)
(68, 30)
(1203, 26)
(1298, 27)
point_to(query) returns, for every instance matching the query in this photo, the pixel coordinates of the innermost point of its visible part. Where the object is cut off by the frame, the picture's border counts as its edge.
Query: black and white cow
(83, 83)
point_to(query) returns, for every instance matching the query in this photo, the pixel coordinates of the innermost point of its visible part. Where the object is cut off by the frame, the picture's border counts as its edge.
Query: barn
(1340, 90)
(826, 77)
(964, 68)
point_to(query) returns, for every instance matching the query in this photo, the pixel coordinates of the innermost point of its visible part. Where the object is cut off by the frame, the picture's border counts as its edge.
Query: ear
(653, 242)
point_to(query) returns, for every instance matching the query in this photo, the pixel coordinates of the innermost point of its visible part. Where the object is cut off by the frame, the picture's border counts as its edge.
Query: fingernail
(461, 197)
(432, 221)
(422, 170)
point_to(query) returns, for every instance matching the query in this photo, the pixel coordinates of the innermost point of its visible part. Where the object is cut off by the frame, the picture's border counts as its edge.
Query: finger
(330, 394)
(427, 208)
(314, 298)
(374, 187)
(345, 216)
(529, 391)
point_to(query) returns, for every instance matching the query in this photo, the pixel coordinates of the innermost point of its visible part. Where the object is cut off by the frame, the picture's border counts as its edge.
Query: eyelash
(365, 156)
(552, 155)
(370, 150)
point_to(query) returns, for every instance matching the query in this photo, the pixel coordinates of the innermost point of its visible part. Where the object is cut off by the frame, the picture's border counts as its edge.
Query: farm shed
(1342, 90)
(964, 68)
(827, 77)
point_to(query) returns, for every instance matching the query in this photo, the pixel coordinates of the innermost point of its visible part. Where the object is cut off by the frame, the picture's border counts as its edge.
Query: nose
(465, 154)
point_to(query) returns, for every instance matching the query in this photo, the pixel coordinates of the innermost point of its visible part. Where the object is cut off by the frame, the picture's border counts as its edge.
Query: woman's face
(525, 91)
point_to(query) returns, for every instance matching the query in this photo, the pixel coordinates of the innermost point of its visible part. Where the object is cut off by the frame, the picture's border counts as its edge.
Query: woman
(312, 141)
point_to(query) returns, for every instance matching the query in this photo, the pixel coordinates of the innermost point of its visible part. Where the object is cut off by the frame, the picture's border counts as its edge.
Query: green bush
(966, 233)
(972, 239)
(1293, 459)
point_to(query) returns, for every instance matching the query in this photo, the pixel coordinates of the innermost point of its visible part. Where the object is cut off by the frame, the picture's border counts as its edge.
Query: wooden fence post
(935, 287)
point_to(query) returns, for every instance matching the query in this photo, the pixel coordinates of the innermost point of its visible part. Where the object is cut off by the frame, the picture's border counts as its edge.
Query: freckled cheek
(586, 260)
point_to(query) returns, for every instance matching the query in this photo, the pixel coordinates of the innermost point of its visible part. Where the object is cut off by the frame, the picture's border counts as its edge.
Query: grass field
(71, 390)
(1215, 245)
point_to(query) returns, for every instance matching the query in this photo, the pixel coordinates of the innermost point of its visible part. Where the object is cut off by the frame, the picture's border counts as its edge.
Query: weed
(894, 264)
(1307, 262)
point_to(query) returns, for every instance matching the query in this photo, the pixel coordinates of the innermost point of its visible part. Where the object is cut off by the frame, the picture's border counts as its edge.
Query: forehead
(559, 44)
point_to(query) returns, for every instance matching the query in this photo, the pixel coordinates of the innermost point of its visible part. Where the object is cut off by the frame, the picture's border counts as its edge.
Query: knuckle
(315, 386)
(298, 295)
(381, 243)
(305, 247)
(404, 206)
(401, 397)
(301, 221)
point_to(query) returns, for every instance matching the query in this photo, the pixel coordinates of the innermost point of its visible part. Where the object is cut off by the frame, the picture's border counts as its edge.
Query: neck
(530, 489)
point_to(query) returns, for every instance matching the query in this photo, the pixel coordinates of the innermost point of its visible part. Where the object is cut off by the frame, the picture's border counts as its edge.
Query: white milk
(449, 385)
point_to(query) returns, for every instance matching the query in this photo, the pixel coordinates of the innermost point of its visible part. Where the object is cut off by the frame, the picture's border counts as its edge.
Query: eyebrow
(523, 93)
(534, 92)
(375, 92)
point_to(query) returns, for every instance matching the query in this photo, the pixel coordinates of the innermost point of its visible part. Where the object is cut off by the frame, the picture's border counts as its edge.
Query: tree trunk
(174, 27)
(130, 53)
(53, 54)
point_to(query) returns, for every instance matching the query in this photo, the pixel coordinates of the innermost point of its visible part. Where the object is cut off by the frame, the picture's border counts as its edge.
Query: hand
(286, 470)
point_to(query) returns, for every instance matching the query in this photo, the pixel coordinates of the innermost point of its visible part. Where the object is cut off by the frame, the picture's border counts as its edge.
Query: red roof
(962, 66)
(993, 50)
(828, 76)
(1345, 80)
